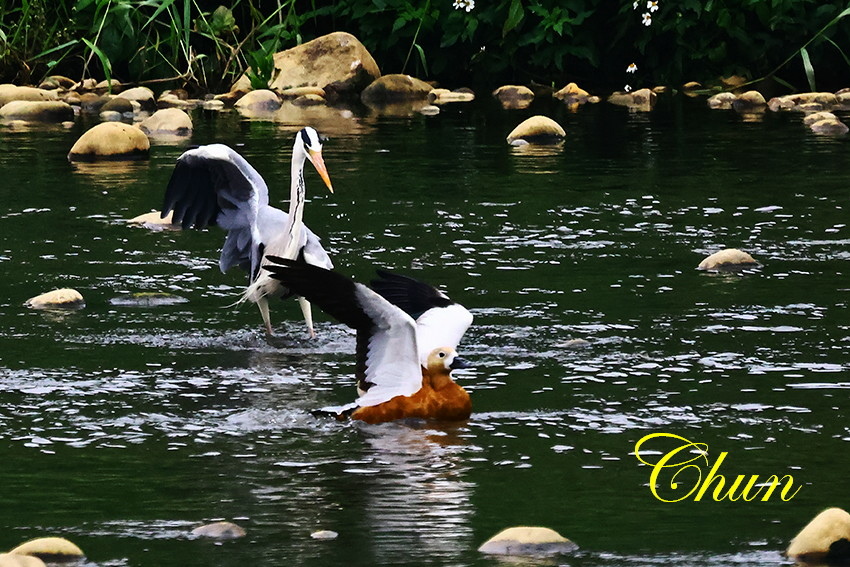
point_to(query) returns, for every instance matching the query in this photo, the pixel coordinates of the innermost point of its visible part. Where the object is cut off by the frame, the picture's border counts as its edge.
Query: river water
(122, 426)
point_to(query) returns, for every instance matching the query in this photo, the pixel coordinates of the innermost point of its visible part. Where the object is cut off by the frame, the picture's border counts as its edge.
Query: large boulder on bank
(514, 96)
(9, 92)
(167, 122)
(728, 259)
(336, 62)
(111, 140)
(37, 111)
(395, 88)
(525, 540)
(536, 130)
(826, 539)
(52, 549)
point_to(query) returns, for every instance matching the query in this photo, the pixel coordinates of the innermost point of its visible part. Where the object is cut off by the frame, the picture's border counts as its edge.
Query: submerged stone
(220, 530)
(148, 299)
(527, 540)
(826, 539)
(514, 96)
(829, 127)
(154, 220)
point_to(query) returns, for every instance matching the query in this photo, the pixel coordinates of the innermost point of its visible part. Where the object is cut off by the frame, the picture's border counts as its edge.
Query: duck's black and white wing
(440, 322)
(387, 353)
(214, 185)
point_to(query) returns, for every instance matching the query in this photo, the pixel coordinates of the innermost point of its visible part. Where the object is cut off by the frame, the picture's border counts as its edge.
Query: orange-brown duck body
(440, 397)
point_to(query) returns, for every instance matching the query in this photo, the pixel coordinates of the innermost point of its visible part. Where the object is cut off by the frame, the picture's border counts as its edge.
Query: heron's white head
(444, 360)
(309, 142)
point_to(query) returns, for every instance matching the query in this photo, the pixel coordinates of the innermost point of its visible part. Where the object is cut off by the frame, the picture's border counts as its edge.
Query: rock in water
(728, 259)
(37, 111)
(262, 100)
(537, 130)
(219, 530)
(395, 88)
(9, 560)
(9, 93)
(167, 122)
(111, 140)
(825, 539)
(50, 549)
(143, 95)
(514, 96)
(65, 298)
(524, 540)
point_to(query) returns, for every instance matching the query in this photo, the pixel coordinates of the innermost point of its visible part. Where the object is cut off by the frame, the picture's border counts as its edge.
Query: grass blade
(104, 61)
(807, 65)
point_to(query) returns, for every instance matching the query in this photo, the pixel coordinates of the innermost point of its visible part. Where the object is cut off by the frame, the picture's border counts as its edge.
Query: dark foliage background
(206, 44)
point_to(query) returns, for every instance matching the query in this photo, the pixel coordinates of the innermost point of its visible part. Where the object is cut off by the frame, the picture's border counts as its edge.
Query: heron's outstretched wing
(387, 354)
(214, 185)
(440, 322)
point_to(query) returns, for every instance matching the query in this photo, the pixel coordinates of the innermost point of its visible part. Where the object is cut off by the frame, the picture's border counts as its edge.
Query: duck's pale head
(444, 360)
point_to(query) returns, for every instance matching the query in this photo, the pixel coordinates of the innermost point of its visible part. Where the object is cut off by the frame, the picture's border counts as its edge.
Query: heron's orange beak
(319, 163)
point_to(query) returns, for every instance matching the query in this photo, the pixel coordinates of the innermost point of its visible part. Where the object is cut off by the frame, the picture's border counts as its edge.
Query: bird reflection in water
(418, 499)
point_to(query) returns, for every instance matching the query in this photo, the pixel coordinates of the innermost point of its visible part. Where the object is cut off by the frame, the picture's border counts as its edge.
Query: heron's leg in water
(263, 304)
(308, 316)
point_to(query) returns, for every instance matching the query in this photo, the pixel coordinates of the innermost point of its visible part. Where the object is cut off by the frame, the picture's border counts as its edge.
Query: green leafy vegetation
(207, 45)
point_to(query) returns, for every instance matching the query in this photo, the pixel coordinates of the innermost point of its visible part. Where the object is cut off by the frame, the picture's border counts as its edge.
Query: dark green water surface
(122, 428)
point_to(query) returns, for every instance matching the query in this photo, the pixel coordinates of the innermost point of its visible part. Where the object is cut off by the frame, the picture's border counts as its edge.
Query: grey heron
(214, 185)
(407, 332)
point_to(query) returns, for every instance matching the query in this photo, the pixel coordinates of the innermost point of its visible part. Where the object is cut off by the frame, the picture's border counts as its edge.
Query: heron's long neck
(296, 203)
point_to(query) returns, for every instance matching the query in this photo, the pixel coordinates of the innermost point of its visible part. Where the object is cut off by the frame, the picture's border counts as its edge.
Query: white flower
(467, 5)
(647, 19)
(631, 68)
(652, 5)
(628, 88)
(636, 4)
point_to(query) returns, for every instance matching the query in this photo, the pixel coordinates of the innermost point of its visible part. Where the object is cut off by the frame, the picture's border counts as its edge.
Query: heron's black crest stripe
(305, 137)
